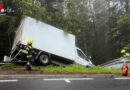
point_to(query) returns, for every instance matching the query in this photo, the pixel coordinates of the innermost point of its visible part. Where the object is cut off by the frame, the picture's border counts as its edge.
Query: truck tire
(44, 59)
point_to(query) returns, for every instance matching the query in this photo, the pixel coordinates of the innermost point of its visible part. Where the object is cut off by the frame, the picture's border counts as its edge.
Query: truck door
(81, 58)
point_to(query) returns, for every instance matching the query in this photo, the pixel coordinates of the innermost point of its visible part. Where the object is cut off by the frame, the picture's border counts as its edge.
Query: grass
(69, 68)
(81, 69)
(12, 66)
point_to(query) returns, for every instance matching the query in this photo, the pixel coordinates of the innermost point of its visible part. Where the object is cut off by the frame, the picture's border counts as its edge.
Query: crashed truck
(50, 45)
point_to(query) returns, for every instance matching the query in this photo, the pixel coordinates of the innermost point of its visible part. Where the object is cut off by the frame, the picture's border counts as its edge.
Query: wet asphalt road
(93, 82)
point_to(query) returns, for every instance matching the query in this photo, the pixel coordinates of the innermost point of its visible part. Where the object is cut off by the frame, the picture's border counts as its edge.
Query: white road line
(54, 79)
(8, 81)
(80, 78)
(122, 78)
(67, 80)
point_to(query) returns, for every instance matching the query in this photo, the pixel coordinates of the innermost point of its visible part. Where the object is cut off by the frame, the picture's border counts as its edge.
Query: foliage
(101, 26)
(120, 34)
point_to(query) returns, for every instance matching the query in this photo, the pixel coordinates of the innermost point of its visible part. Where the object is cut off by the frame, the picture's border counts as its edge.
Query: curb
(62, 76)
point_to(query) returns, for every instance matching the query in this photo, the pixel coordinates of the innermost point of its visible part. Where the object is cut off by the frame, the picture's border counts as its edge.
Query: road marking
(8, 81)
(58, 79)
(81, 79)
(67, 80)
(122, 78)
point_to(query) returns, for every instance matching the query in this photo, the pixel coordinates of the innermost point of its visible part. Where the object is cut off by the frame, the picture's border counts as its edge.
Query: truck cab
(82, 59)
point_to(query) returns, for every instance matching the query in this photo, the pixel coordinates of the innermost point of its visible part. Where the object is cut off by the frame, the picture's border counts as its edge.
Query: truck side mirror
(90, 57)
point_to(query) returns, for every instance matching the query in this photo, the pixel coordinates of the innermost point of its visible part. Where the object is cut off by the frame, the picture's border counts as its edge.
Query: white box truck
(50, 44)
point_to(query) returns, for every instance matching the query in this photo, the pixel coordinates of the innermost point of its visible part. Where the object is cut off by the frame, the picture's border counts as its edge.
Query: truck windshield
(82, 55)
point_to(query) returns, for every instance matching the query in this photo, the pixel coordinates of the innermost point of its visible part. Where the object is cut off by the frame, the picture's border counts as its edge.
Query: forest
(101, 27)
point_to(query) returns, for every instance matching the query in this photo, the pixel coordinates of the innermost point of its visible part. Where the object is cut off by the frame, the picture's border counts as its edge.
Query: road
(89, 82)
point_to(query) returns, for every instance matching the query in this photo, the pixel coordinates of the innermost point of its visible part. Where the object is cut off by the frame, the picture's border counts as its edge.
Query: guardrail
(115, 61)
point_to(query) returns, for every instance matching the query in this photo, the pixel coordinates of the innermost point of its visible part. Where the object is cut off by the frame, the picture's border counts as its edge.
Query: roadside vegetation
(61, 69)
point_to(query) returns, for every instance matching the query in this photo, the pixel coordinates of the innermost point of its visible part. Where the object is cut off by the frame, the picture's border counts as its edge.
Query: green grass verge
(69, 68)
(78, 68)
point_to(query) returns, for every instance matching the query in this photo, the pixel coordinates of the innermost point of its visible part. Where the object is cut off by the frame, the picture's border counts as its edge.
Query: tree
(11, 20)
(118, 27)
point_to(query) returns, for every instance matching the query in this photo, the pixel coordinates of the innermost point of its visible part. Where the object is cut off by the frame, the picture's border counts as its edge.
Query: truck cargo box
(46, 38)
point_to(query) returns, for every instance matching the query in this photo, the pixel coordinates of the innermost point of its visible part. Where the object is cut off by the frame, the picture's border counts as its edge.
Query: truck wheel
(44, 59)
